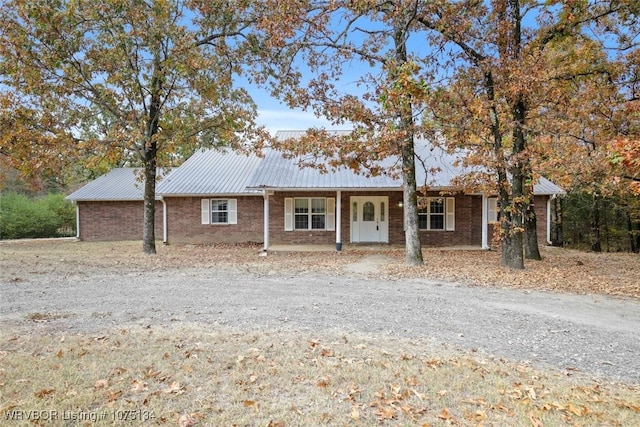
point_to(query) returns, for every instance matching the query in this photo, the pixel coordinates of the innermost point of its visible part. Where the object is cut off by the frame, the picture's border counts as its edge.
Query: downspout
(265, 195)
(165, 234)
(549, 199)
(338, 220)
(485, 222)
(77, 220)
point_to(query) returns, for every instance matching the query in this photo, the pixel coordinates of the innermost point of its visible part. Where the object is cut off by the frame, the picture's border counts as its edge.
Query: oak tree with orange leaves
(356, 67)
(134, 80)
(497, 60)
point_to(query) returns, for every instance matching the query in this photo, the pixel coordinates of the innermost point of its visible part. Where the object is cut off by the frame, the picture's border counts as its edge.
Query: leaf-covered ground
(561, 270)
(184, 374)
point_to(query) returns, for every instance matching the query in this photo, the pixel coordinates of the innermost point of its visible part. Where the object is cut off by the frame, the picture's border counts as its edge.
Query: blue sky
(276, 118)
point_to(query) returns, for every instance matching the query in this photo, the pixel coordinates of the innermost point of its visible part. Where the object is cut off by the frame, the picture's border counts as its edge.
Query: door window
(368, 211)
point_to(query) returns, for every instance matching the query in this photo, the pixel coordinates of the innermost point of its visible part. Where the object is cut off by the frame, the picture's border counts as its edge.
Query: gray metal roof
(223, 171)
(211, 172)
(544, 187)
(434, 168)
(118, 184)
(278, 172)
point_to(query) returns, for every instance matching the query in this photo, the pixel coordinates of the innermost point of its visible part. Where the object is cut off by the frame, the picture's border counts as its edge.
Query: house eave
(109, 200)
(249, 194)
(319, 189)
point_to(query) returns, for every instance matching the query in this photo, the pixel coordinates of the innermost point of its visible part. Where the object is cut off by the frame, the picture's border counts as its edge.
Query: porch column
(77, 219)
(265, 196)
(485, 222)
(549, 218)
(165, 231)
(339, 220)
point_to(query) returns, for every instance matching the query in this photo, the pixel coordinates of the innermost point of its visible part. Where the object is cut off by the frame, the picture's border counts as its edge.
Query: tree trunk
(413, 247)
(596, 242)
(634, 236)
(513, 247)
(148, 231)
(531, 249)
(150, 157)
(557, 238)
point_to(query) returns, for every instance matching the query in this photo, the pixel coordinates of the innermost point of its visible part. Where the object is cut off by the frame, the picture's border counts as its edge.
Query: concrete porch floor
(363, 247)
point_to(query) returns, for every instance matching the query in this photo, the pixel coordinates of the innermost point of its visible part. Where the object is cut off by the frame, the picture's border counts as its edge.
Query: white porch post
(77, 220)
(485, 222)
(165, 232)
(338, 220)
(549, 218)
(265, 196)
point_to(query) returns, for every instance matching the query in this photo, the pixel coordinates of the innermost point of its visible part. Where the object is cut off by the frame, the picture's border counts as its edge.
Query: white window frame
(310, 213)
(448, 214)
(290, 214)
(207, 211)
(492, 209)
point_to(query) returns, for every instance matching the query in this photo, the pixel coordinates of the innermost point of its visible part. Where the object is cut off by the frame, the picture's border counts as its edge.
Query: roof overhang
(250, 194)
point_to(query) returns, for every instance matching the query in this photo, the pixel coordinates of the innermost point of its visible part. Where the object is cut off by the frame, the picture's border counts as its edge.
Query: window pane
(317, 205)
(302, 205)
(382, 211)
(355, 211)
(219, 214)
(436, 222)
(368, 212)
(219, 217)
(317, 222)
(436, 205)
(422, 221)
(219, 205)
(302, 222)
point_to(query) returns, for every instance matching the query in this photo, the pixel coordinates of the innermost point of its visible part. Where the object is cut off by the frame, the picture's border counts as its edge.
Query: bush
(23, 217)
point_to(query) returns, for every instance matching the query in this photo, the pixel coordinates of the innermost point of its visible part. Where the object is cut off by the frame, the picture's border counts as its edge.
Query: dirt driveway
(90, 287)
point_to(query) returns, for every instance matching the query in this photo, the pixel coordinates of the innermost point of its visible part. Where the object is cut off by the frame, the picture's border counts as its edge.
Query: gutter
(164, 221)
(77, 220)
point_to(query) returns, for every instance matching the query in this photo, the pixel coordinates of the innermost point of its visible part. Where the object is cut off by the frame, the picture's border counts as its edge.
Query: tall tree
(494, 51)
(358, 68)
(137, 79)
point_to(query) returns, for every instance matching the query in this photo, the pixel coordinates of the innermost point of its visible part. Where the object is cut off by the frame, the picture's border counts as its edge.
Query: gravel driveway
(593, 334)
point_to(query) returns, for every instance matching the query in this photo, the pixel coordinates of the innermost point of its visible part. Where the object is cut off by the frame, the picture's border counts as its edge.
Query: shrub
(23, 217)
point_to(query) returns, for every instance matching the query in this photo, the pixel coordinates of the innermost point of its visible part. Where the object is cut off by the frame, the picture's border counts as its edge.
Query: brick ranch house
(219, 196)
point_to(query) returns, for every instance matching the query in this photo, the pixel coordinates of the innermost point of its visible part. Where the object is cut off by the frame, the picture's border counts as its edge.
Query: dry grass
(186, 374)
(561, 270)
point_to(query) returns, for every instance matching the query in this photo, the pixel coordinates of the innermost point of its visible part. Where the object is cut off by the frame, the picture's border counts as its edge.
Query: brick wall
(467, 229)
(184, 222)
(124, 220)
(540, 204)
(278, 236)
(468, 226)
(110, 221)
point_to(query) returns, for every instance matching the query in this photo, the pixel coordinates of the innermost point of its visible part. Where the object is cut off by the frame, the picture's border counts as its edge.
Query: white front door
(369, 219)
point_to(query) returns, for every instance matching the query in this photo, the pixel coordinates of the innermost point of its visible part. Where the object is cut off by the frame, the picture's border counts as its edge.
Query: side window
(438, 214)
(308, 213)
(219, 211)
(493, 211)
